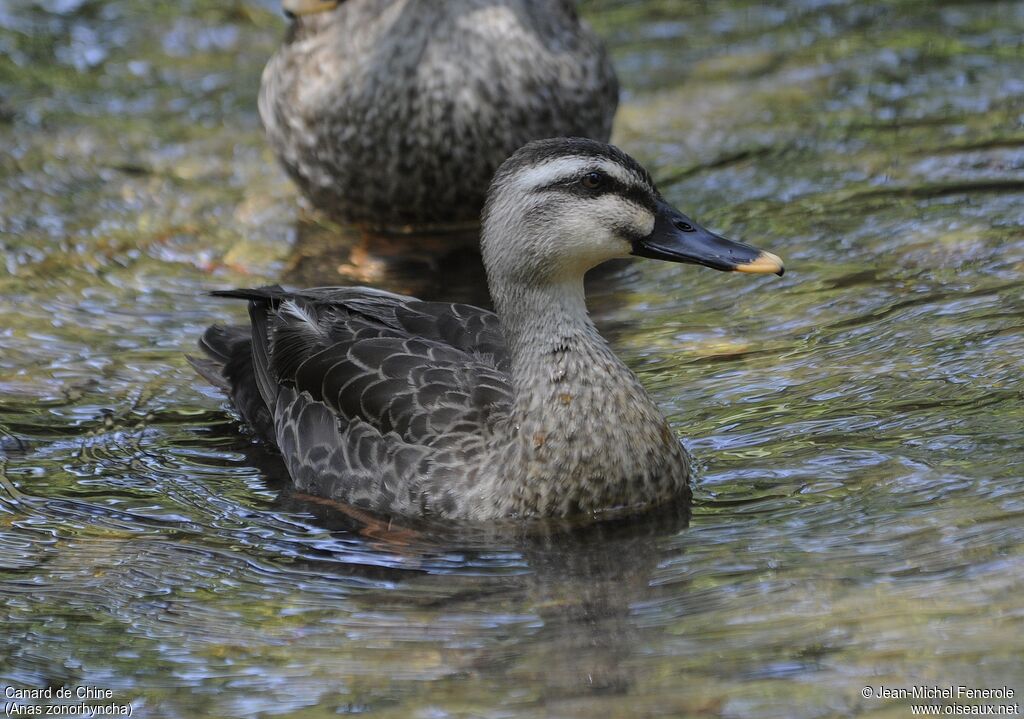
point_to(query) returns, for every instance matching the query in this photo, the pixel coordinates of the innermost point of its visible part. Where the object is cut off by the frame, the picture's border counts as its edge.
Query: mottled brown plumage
(398, 112)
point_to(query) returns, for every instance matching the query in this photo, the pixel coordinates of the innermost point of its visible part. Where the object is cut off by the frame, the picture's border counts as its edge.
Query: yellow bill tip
(764, 263)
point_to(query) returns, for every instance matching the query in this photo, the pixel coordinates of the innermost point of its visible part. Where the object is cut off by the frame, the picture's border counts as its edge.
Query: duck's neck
(586, 433)
(550, 335)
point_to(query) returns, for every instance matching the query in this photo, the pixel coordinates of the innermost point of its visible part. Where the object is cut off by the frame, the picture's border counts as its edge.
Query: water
(858, 423)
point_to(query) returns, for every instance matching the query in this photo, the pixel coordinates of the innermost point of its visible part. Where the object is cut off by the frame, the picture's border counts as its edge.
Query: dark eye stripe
(611, 186)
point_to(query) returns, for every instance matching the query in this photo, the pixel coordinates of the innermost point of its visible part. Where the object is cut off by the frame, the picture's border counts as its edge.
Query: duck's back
(399, 111)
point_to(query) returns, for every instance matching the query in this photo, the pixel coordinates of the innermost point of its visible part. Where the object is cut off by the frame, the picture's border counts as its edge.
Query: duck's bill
(307, 7)
(677, 238)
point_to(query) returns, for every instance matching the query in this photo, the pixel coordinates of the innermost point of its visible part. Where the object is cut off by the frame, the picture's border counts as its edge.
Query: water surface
(858, 423)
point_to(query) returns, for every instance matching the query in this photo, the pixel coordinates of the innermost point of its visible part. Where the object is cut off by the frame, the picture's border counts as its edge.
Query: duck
(395, 114)
(418, 409)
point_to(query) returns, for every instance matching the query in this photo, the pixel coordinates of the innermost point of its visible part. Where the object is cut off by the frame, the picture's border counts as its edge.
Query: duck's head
(558, 207)
(300, 8)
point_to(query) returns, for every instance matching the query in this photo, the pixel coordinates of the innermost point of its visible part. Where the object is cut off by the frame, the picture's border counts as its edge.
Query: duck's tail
(219, 344)
(228, 364)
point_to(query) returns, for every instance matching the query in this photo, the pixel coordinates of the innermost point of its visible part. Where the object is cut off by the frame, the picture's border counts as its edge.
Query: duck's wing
(405, 366)
(473, 330)
(368, 389)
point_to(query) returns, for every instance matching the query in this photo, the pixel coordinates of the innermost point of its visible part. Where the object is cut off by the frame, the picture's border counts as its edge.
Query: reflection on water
(858, 423)
(443, 265)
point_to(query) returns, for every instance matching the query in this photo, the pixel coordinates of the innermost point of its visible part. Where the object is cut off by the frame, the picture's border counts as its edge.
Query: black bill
(677, 238)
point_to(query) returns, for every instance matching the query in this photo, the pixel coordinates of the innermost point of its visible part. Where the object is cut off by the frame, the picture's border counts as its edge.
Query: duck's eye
(592, 180)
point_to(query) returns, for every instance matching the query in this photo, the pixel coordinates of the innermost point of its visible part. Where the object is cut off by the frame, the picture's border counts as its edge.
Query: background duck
(426, 408)
(397, 112)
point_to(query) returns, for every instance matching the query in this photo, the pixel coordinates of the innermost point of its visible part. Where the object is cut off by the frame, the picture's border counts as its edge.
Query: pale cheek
(643, 223)
(581, 244)
(593, 232)
(625, 215)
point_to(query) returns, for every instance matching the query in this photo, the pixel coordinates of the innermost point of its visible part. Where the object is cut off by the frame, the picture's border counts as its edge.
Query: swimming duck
(418, 408)
(396, 113)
